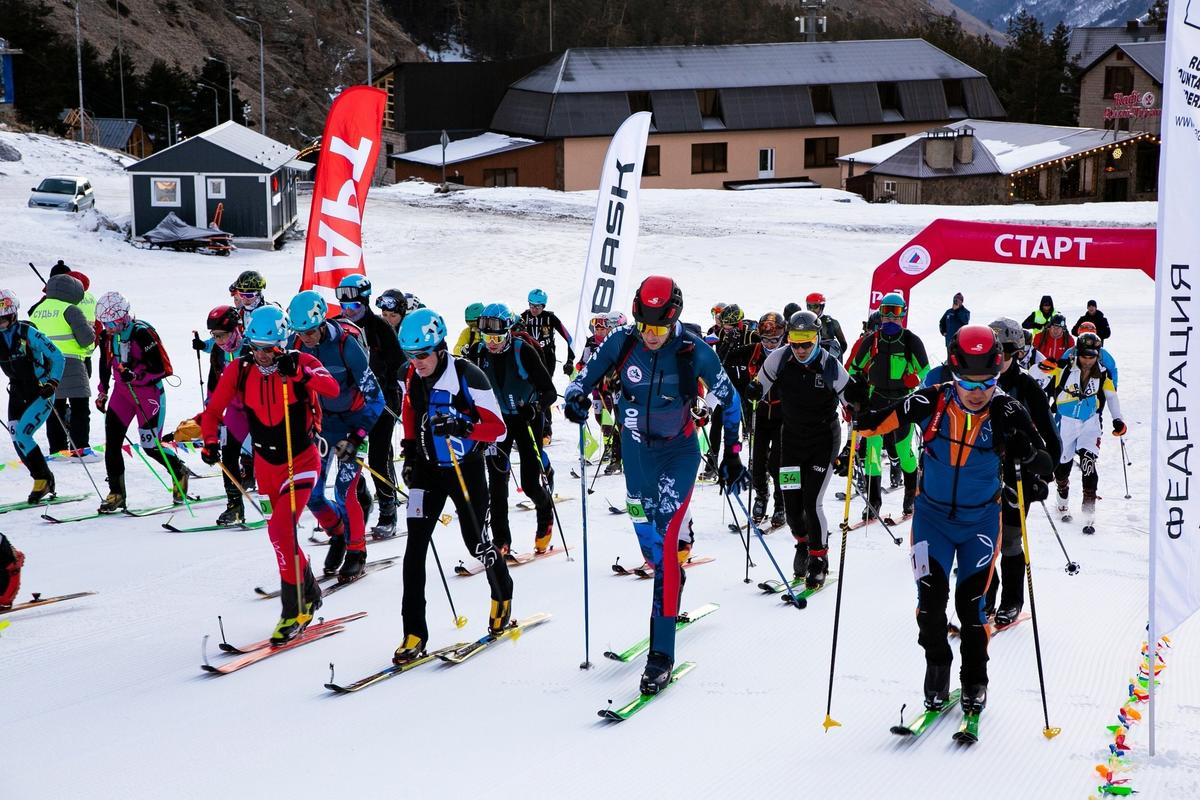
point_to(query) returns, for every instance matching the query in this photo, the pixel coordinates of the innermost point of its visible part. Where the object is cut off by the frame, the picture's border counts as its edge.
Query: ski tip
(830, 722)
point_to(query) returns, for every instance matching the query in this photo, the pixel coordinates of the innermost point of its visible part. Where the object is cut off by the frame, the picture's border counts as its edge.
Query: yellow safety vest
(50, 318)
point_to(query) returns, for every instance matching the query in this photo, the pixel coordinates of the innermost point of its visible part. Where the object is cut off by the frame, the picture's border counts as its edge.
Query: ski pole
(35, 272)
(830, 722)
(161, 452)
(459, 622)
(1072, 567)
(237, 485)
(1047, 731)
(302, 618)
(587, 663)
(78, 454)
(745, 539)
(1125, 462)
(798, 602)
(385, 481)
(896, 540)
(546, 488)
(199, 370)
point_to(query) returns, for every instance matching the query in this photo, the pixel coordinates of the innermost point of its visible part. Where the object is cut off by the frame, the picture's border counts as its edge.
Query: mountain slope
(1050, 12)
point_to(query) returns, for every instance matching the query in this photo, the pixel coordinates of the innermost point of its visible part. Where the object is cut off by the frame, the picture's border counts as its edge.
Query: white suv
(65, 192)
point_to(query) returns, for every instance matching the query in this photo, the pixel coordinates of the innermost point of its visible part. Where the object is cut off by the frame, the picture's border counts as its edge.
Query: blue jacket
(952, 320)
(654, 404)
(28, 357)
(345, 359)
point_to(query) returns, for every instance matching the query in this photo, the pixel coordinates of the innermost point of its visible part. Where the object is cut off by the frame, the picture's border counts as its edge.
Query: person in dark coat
(1095, 316)
(1040, 318)
(956, 316)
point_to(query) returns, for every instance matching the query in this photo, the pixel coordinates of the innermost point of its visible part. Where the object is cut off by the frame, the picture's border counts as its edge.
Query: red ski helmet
(975, 351)
(815, 299)
(224, 318)
(658, 301)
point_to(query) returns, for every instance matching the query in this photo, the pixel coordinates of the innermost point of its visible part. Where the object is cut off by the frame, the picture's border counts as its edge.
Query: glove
(1038, 464)
(734, 477)
(701, 413)
(527, 413)
(448, 425)
(568, 368)
(546, 399)
(1119, 428)
(347, 449)
(1036, 491)
(197, 343)
(911, 380)
(754, 392)
(125, 374)
(576, 406)
(101, 402)
(211, 453)
(288, 363)
(47, 389)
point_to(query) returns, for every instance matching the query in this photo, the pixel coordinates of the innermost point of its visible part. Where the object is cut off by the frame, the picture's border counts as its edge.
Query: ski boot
(549, 473)
(542, 539)
(613, 467)
(115, 501)
(800, 560)
(498, 617)
(937, 685)
(1006, 615)
(1088, 511)
(895, 473)
(294, 619)
(779, 518)
(974, 698)
(353, 566)
(657, 673)
(1064, 506)
(10, 577)
(337, 549)
(385, 526)
(816, 572)
(234, 513)
(684, 551)
(43, 488)
(179, 491)
(412, 648)
(759, 510)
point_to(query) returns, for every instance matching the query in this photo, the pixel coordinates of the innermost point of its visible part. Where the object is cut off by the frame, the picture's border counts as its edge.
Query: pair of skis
(798, 587)
(258, 651)
(38, 601)
(330, 584)
(647, 570)
(132, 512)
(968, 730)
(511, 559)
(49, 500)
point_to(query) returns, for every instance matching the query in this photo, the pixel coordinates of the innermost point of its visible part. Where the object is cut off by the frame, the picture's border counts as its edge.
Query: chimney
(1131, 26)
(964, 145)
(938, 148)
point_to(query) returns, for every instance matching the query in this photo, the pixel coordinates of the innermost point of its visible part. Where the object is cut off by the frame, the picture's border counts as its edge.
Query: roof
(909, 162)
(113, 133)
(1013, 146)
(229, 147)
(623, 69)
(1150, 56)
(1088, 44)
(485, 144)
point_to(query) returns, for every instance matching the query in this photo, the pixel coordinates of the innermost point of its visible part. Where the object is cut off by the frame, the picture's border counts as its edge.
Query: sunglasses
(657, 330)
(248, 295)
(494, 338)
(538, 306)
(419, 354)
(891, 311)
(975, 386)
(802, 337)
(815, 306)
(113, 325)
(351, 305)
(220, 336)
(260, 347)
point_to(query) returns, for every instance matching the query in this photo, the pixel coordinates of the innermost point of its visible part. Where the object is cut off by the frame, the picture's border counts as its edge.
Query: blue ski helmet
(473, 311)
(495, 319)
(892, 305)
(422, 331)
(306, 311)
(537, 298)
(353, 289)
(267, 326)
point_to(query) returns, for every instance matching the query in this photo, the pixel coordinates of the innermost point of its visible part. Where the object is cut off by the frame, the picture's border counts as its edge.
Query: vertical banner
(615, 231)
(349, 150)
(1174, 508)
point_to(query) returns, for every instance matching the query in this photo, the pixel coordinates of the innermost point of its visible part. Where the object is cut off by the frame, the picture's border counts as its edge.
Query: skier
(542, 325)
(470, 334)
(892, 362)
(523, 388)
(1040, 317)
(660, 362)
(1106, 358)
(11, 561)
(604, 396)
(132, 353)
(346, 419)
(385, 358)
(392, 307)
(833, 341)
(448, 403)
(969, 429)
(1081, 392)
(67, 315)
(956, 316)
(714, 331)
(34, 367)
(1094, 316)
(286, 469)
(1053, 341)
(247, 293)
(735, 335)
(766, 422)
(808, 382)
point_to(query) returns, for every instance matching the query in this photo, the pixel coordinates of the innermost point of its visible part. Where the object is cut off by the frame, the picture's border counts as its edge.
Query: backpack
(162, 351)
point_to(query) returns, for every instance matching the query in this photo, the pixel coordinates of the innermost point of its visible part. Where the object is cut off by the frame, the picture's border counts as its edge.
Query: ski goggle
(494, 338)
(387, 303)
(773, 341)
(262, 347)
(814, 306)
(347, 293)
(895, 312)
(975, 386)
(420, 354)
(248, 295)
(351, 305)
(656, 330)
(802, 337)
(493, 325)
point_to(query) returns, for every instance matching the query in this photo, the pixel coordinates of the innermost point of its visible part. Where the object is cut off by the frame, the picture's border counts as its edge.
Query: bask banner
(606, 277)
(1174, 507)
(349, 150)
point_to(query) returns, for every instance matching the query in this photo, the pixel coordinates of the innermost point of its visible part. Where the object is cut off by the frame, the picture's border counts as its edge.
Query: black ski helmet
(1088, 344)
(732, 314)
(249, 281)
(804, 321)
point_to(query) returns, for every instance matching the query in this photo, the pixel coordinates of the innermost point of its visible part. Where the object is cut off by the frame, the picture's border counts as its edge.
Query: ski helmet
(224, 318)
(538, 298)
(353, 289)
(113, 309)
(267, 326)
(1008, 334)
(473, 311)
(412, 302)
(422, 331)
(804, 321)
(249, 281)
(894, 302)
(815, 299)
(495, 319)
(732, 314)
(306, 311)
(1088, 344)
(1087, 327)
(974, 350)
(716, 311)
(789, 309)
(771, 325)
(1059, 320)
(392, 300)
(617, 319)
(10, 304)
(873, 322)
(658, 301)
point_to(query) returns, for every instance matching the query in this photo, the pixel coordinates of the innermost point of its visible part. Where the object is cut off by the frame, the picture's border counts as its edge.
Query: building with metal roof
(1088, 44)
(1121, 89)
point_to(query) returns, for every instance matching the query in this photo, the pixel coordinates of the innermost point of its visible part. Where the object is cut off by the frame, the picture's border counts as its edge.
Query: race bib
(637, 512)
(789, 478)
(919, 556)
(416, 503)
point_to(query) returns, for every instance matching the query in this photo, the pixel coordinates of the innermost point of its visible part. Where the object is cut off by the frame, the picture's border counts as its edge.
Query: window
(889, 186)
(639, 101)
(1030, 186)
(709, 101)
(1117, 80)
(650, 166)
(505, 176)
(1077, 178)
(822, 99)
(889, 96)
(709, 157)
(216, 188)
(1147, 167)
(766, 159)
(955, 98)
(883, 138)
(821, 152)
(164, 192)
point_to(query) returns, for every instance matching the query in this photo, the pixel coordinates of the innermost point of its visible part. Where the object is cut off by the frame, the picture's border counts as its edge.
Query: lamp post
(229, 72)
(79, 70)
(370, 75)
(216, 105)
(262, 83)
(168, 110)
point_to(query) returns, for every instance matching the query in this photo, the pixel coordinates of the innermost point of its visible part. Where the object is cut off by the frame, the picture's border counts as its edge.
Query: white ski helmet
(112, 307)
(9, 303)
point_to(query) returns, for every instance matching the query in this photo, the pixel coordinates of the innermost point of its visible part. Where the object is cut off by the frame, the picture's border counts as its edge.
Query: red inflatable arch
(1000, 243)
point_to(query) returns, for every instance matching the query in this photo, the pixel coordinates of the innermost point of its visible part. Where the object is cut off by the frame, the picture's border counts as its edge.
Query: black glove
(569, 365)
(197, 342)
(1118, 427)
(1038, 464)
(1036, 491)
(288, 363)
(527, 413)
(101, 402)
(125, 374)
(734, 477)
(754, 392)
(450, 425)
(47, 389)
(546, 399)
(576, 406)
(347, 449)
(211, 453)
(1018, 447)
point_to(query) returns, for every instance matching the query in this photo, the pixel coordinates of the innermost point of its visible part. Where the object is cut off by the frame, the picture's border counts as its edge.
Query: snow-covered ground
(116, 675)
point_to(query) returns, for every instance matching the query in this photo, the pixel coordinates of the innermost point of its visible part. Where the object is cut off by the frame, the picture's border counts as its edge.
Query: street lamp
(262, 83)
(168, 110)
(216, 105)
(370, 76)
(229, 72)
